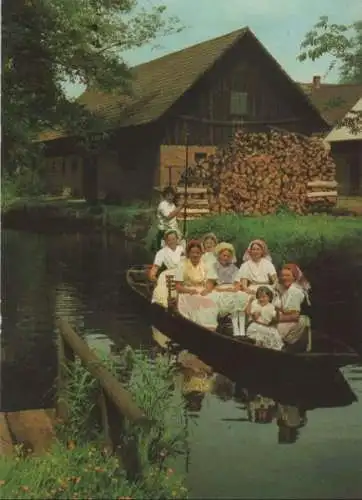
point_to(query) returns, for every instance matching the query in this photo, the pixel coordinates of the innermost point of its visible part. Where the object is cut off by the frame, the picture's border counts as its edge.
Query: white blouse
(170, 258)
(267, 312)
(290, 299)
(163, 211)
(256, 272)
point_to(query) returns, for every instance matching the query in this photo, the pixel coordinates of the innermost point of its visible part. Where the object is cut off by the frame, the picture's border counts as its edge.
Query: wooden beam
(120, 398)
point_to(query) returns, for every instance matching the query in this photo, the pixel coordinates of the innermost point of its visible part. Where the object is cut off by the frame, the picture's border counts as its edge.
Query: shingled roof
(333, 100)
(157, 84)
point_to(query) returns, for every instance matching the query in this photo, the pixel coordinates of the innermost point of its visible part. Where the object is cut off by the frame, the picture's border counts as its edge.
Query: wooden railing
(114, 401)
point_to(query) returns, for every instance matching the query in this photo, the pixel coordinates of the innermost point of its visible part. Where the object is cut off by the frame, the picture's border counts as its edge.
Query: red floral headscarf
(298, 275)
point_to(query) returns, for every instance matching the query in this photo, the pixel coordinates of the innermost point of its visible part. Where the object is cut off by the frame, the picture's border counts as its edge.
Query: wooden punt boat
(231, 356)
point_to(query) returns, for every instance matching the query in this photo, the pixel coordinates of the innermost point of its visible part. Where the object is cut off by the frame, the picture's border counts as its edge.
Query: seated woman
(169, 256)
(293, 327)
(229, 299)
(191, 277)
(262, 314)
(209, 242)
(257, 268)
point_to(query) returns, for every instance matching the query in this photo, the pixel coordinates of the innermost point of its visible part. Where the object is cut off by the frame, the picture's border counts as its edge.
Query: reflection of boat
(228, 355)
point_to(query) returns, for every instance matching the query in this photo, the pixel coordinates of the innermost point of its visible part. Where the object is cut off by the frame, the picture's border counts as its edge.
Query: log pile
(260, 173)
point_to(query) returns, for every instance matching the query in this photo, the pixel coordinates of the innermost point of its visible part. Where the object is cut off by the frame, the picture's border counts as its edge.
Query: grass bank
(40, 211)
(289, 237)
(78, 467)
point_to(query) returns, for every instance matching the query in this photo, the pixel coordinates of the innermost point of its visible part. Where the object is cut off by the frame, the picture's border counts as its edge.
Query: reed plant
(78, 466)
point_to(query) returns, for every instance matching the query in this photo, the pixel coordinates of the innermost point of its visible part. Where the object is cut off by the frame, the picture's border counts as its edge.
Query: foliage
(23, 183)
(342, 42)
(289, 237)
(47, 43)
(82, 469)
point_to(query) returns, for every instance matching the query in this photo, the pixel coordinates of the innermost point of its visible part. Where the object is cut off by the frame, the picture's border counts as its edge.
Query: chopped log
(322, 194)
(323, 184)
(260, 172)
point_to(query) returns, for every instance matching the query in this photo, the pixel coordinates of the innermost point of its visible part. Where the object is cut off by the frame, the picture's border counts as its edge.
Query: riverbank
(51, 213)
(289, 237)
(79, 466)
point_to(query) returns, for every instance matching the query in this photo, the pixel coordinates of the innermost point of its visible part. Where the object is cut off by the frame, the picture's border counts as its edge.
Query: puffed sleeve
(242, 273)
(211, 273)
(159, 258)
(270, 268)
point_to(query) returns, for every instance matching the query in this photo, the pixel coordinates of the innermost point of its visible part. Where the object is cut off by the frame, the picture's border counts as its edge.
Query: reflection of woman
(229, 299)
(289, 420)
(191, 277)
(261, 410)
(293, 327)
(257, 268)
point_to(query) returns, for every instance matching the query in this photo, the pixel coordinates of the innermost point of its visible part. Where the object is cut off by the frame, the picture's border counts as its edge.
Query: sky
(279, 24)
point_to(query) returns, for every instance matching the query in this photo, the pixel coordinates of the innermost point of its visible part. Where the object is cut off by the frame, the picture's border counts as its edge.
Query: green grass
(78, 467)
(289, 237)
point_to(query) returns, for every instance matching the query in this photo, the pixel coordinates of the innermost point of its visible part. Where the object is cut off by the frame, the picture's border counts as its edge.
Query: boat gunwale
(350, 353)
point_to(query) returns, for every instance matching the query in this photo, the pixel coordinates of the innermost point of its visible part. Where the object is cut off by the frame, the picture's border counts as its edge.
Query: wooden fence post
(65, 357)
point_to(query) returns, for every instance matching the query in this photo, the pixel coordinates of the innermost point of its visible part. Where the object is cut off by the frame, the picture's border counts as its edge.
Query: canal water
(238, 446)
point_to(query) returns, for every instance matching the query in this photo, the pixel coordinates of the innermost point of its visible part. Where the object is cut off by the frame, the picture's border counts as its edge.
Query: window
(199, 156)
(238, 104)
(64, 164)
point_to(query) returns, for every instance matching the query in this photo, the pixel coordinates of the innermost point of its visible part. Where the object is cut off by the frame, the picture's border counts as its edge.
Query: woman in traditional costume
(292, 292)
(195, 302)
(257, 268)
(228, 297)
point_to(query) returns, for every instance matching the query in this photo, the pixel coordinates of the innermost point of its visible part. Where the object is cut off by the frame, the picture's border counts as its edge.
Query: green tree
(49, 42)
(342, 42)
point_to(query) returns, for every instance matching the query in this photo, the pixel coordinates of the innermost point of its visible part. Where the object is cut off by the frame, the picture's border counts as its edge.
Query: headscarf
(225, 246)
(262, 245)
(298, 275)
(300, 279)
(210, 236)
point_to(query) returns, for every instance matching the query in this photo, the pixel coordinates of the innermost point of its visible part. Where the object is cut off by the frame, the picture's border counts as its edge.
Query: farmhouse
(335, 102)
(204, 91)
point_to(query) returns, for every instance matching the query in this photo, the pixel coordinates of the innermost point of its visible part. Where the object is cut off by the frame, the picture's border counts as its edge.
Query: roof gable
(333, 100)
(345, 133)
(159, 83)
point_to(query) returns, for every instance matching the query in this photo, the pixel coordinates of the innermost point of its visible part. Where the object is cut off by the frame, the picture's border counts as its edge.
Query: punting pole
(186, 179)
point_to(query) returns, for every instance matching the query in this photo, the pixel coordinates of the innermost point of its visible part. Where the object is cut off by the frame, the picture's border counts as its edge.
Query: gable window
(238, 105)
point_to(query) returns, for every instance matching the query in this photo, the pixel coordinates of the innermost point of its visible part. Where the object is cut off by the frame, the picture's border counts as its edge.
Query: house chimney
(316, 82)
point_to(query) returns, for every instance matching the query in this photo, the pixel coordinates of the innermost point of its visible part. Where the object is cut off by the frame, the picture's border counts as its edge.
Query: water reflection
(82, 277)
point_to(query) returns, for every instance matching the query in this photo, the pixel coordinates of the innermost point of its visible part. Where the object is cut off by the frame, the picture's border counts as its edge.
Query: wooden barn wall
(270, 100)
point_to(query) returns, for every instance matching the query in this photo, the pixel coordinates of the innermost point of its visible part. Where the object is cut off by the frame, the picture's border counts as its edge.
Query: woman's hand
(251, 292)
(192, 291)
(205, 292)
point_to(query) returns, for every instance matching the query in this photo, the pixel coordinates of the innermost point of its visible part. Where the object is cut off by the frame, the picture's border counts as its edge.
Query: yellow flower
(2, 482)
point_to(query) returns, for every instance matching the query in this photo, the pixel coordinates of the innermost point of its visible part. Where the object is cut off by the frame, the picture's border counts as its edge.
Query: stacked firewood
(259, 173)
